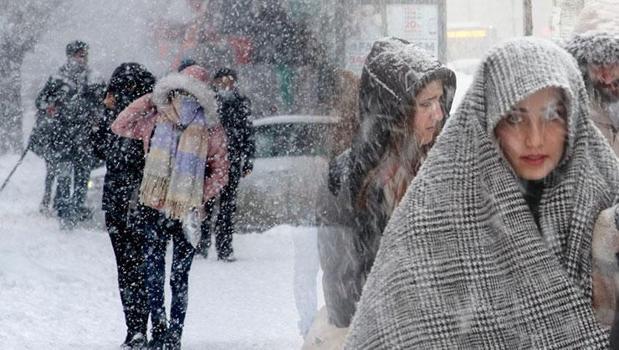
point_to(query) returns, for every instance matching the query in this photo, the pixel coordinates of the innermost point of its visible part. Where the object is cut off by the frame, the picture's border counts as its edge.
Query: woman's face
(532, 135)
(428, 112)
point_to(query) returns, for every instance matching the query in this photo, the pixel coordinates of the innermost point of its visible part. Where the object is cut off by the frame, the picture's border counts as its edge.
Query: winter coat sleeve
(605, 274)
(137, 120)
(340, 252)
(218, 164)
(100, 137)
(249, 143)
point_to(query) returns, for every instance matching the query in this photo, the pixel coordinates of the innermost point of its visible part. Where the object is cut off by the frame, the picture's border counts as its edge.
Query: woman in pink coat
(186, 165)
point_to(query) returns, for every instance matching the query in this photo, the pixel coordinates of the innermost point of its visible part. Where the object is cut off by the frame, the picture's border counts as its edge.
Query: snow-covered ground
(58, 289)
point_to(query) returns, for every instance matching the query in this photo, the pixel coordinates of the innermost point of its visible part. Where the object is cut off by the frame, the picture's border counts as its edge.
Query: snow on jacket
(124, 157)
(600, 48)
(75, 94)
(462, 263)
(349, 235)
(138, 121)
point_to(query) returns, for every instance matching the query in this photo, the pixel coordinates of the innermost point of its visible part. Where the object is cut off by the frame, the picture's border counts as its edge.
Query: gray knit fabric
(593, 47)
(462, 264)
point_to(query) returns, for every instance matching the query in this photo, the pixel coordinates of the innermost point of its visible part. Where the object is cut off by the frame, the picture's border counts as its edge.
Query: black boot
(158, 334)
(134, 341)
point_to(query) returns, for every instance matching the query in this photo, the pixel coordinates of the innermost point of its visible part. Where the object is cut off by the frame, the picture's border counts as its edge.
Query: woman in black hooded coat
(124, 161)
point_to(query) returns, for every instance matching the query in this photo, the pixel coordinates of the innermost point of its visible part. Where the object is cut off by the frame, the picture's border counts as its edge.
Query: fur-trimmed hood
(198, 88)
(594, 47)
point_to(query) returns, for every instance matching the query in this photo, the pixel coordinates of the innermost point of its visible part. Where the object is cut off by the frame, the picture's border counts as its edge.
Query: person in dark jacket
(124, 161)
(404, 98)
(72, 96)
(45, 141)
(234, 110)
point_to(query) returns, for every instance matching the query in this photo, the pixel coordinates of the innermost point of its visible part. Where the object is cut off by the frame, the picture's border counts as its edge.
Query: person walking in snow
(597, 54)
(234, 110)
(186, 165)
(491, 245)
(124, 162)
(404, 98)
(72, 98)
(45, 140)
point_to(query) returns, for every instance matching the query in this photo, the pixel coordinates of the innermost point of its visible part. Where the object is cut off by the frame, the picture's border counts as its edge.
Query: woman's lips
(534, 159)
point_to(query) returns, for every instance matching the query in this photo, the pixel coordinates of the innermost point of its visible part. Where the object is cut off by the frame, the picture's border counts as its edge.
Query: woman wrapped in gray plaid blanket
(491, 246)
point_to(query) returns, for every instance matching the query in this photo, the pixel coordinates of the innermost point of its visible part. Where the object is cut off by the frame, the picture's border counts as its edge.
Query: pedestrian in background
(234, 110)
(72, 98)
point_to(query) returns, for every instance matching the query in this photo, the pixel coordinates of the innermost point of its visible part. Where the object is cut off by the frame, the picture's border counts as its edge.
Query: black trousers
(224, 227)
(128, 243)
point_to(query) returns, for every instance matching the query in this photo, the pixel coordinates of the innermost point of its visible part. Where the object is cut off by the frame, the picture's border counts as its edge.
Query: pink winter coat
(137, 121)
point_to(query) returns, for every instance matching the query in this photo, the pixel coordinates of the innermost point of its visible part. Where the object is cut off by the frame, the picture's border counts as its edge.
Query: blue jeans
(158, 231)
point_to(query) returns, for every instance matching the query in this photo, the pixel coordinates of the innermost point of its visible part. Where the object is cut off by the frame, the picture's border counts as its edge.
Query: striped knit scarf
(462, 263)
(174, 171)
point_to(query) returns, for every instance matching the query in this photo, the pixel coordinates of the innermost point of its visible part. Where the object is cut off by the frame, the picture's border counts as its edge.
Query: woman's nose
(535, 135)
(437, 112)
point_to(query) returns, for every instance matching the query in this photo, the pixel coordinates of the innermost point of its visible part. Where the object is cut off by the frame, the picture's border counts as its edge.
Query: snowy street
(59, 289)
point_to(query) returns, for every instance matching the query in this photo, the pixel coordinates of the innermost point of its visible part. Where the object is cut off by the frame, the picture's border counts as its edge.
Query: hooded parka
(349, 234)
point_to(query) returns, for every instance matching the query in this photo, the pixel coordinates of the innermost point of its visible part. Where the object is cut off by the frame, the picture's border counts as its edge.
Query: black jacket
(65, 135)
(124, 157)
(234, 112)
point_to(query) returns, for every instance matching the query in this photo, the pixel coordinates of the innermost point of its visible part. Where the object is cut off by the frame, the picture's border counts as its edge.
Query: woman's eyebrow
(432, 97)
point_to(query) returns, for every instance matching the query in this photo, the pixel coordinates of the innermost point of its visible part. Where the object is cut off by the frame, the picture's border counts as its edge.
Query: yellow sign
(475, 33)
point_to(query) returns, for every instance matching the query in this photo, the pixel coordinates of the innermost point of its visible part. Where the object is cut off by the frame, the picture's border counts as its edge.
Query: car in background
(290, 161)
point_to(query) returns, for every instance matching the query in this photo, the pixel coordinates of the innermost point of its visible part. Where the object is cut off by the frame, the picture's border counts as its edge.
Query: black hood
(128, 82)
(394, 72)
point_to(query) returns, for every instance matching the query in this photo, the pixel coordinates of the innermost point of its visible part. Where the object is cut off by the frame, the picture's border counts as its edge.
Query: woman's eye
(425, 104)
(513, 118)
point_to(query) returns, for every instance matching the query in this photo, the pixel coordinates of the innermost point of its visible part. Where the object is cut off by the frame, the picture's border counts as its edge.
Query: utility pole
(527, 16)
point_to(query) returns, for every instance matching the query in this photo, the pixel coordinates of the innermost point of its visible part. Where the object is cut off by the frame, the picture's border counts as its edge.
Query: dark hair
(224, 72)
(186, 62)
(75, 46)
(129, 81)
